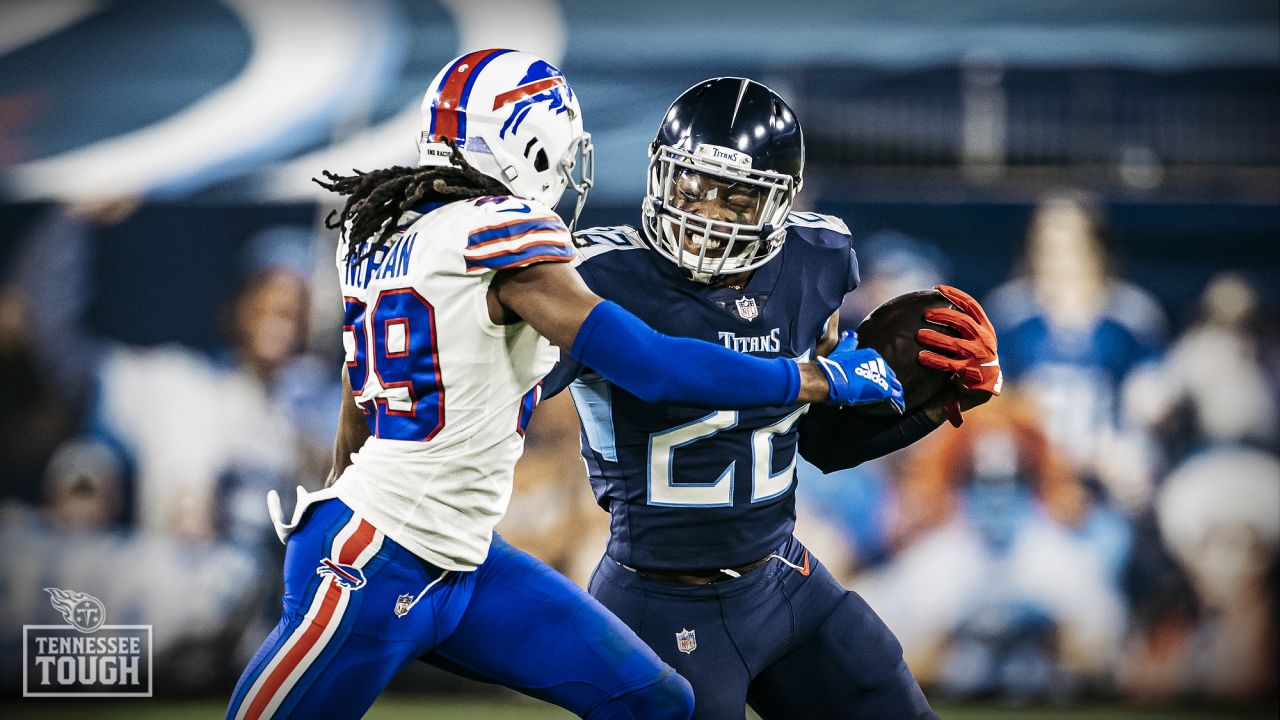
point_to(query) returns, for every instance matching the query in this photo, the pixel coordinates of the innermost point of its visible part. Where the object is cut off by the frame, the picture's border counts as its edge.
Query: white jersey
(447, 391)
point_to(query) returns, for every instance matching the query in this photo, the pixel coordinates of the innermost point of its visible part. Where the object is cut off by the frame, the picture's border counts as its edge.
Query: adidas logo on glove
(875, 372)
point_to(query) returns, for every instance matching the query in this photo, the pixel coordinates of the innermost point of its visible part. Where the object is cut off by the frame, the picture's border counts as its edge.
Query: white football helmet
(515, 119)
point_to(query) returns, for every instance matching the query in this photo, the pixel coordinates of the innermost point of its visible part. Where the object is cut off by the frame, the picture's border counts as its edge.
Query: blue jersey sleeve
(659, 368)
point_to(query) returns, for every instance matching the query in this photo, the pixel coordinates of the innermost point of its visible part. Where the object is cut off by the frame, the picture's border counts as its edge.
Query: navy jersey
(687, 488)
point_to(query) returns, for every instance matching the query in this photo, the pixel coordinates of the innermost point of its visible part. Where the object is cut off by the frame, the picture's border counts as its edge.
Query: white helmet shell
(514, 118)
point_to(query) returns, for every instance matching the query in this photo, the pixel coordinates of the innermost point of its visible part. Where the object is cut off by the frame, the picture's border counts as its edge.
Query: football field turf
(427, 708)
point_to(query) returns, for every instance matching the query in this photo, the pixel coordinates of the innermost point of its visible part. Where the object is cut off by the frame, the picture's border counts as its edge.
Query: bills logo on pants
(341, 574)
(348, 576)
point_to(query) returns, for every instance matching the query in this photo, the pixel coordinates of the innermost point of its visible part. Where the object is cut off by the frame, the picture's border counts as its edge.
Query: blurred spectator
(1005, 583)
(1215, 384)
(890, 264)
(84, 487)
(1211, 404)
(1219, 514)
(1070, 330)
(196, 597)
(180, 446)
(31, 402)
(205, 437)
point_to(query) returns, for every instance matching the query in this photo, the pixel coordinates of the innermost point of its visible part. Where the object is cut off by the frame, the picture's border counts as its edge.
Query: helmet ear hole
(540, 161)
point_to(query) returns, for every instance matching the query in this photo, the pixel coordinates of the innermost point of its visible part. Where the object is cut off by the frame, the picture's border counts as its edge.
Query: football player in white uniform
(456, 281)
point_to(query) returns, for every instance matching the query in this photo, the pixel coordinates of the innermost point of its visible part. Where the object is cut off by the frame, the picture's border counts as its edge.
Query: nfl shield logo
(686, 641)
(403, 604)
(747, 309)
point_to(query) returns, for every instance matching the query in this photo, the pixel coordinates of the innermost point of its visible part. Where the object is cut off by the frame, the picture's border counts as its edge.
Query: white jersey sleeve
(445, 389)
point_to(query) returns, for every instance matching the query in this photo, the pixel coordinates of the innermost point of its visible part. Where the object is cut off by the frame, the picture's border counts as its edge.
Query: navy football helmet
(723, 173)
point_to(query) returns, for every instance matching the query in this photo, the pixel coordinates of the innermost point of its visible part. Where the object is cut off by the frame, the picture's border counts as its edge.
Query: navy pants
(358, 607)
(786, 638)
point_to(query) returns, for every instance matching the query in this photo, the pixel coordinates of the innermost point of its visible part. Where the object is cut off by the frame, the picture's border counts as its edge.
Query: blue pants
(786, 638)
(358, 607)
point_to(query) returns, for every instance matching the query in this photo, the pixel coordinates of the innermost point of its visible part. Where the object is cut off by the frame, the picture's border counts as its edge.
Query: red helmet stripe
(445, 121)
(527, 90)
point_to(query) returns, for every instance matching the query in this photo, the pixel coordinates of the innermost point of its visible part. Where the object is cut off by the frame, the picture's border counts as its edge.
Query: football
(891, 329)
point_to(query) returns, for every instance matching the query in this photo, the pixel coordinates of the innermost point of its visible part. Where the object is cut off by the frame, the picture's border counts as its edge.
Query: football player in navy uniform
(701, 561)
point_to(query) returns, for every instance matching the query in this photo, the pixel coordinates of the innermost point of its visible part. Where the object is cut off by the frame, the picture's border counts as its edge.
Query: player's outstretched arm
(555, 301)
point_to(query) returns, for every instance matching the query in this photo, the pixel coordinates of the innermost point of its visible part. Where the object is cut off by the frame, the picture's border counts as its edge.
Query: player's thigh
(337, 643)
(851, 668)
(688, 632)
(529, 628)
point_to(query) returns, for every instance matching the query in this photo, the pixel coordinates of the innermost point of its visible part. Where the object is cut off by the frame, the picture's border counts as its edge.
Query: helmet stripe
(471, 80)
(525, 91)
(436, 109)
(449, 111)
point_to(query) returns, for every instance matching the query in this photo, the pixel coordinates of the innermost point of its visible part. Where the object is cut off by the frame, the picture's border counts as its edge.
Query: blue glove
(860, 377)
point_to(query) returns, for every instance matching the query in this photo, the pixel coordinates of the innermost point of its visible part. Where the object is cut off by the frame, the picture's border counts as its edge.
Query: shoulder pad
(816, 220)
(599, 240)
(512, 232)
(824, 231)
(509, 207)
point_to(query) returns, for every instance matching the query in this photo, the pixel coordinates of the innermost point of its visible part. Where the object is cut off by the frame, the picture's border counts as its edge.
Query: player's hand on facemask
(972, 356)
(860, 377)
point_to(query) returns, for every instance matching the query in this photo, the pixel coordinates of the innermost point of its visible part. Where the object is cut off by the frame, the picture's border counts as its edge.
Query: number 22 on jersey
(393, 362)
(718, 493)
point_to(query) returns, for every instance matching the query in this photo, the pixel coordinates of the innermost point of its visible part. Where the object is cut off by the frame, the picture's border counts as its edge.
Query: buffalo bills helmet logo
(541, 84)
(348, 577)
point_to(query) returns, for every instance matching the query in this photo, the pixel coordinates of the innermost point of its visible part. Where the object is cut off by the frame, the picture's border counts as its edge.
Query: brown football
(891, 329)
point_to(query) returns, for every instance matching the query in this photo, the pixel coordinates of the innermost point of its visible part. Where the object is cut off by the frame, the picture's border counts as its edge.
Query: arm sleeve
(834, 439)
(660, 368)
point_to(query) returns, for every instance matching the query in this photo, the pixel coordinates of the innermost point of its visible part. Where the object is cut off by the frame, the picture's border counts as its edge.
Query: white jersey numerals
(718, 493)
(594, 241)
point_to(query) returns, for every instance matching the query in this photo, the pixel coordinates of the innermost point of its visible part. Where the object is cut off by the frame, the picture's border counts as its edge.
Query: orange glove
(972, 356)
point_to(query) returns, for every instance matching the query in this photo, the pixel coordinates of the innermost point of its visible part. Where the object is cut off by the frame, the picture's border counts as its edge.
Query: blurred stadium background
(1105, 176)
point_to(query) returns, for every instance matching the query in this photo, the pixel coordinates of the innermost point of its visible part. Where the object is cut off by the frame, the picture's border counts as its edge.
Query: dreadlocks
(375, 200)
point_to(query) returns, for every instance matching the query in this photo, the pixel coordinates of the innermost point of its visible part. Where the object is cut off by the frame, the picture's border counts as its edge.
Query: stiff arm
(556, 302)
